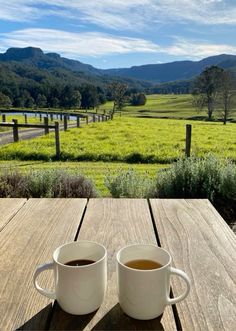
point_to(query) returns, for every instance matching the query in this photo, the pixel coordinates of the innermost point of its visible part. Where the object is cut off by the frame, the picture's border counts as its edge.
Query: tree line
(67, 96)
(86, 96)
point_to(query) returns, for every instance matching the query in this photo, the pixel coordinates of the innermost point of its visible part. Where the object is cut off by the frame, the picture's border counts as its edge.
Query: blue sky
(121, 33)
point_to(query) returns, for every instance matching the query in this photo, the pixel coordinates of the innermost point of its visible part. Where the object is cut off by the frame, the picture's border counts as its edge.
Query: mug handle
(41, 268)
(184, 276)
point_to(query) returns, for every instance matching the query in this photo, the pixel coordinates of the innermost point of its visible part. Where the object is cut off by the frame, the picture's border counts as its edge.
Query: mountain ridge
(176, 70)
(148, 74)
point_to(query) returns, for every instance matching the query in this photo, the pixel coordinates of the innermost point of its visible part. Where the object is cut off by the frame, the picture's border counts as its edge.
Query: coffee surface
(143, 264)
(80, 262)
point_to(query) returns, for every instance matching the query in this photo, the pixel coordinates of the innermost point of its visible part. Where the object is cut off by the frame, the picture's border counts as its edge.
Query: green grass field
(143, 144)
(131, 140)
(168, 106)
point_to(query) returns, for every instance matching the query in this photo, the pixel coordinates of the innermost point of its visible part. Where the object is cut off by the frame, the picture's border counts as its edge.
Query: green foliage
(193, 177)
(70, 97)
(5, 101)
(47, 183)
(138, 99)
(117, 91)
(89, 96)
(128, 184)
(206, 87)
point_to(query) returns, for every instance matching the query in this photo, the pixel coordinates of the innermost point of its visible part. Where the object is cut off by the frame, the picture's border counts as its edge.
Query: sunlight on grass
(130, 140)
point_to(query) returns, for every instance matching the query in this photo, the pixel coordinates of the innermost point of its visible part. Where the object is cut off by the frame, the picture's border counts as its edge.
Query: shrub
(12, 185)
(45, 184)
(197, 178)
(73, 186)
(192, 177)
(129, 184)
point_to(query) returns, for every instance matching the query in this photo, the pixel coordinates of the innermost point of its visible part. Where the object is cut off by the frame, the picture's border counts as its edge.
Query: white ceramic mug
(78, 289)
(144, 294)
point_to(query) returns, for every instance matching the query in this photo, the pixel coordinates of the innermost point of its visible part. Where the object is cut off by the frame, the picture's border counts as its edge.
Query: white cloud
(195, 49)
(124, 14)
(77, 44)
(94, 44)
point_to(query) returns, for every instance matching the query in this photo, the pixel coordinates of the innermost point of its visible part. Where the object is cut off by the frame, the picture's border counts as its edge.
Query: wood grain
(27, 241)
(203, 245)
(9, 207)
(114, 223)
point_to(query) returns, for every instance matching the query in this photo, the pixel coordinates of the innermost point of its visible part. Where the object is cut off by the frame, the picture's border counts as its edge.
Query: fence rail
(15, 125)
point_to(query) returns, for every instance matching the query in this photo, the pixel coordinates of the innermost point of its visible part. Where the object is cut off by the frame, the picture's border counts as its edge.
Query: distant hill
(32, 63)
(30, 68)
(174, 71)
(36, 57)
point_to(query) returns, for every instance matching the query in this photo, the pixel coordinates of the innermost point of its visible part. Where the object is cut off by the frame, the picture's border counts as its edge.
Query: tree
(226, 93)
(206, 88)
(117, 91)
(138, 99)
(89, 96)
(29, 103)
(41, 101)
(5, 101)
(71, 97)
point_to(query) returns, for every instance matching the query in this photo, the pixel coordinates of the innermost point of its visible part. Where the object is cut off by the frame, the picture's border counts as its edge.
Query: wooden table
(199, 240)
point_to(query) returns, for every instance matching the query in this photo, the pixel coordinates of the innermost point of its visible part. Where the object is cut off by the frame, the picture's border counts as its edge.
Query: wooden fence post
(57, 140)
(65, 122)
(61, 117)
(188, 139)
(46, 129)
(15, 131)
(86, 119)
(26, 121)
(78, 121)
(40, 117)
(3, 117)
(51, 116)
(94, 118)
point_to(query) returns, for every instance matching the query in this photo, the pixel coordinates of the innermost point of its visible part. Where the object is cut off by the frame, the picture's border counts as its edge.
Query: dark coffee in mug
(143, 264)
(79, 263)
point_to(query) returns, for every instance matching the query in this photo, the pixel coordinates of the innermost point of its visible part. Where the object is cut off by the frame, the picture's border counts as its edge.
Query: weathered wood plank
(203, 245)
(114, 223)
(30, 239)
(9, 207)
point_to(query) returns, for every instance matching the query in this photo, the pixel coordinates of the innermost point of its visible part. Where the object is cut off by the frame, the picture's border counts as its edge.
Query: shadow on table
(38, 321)
(54, 318)
(116, 319)
(63, 321)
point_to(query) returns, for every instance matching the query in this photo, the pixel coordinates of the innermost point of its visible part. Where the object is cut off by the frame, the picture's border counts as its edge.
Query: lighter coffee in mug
(143, 281)
(80, 276)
